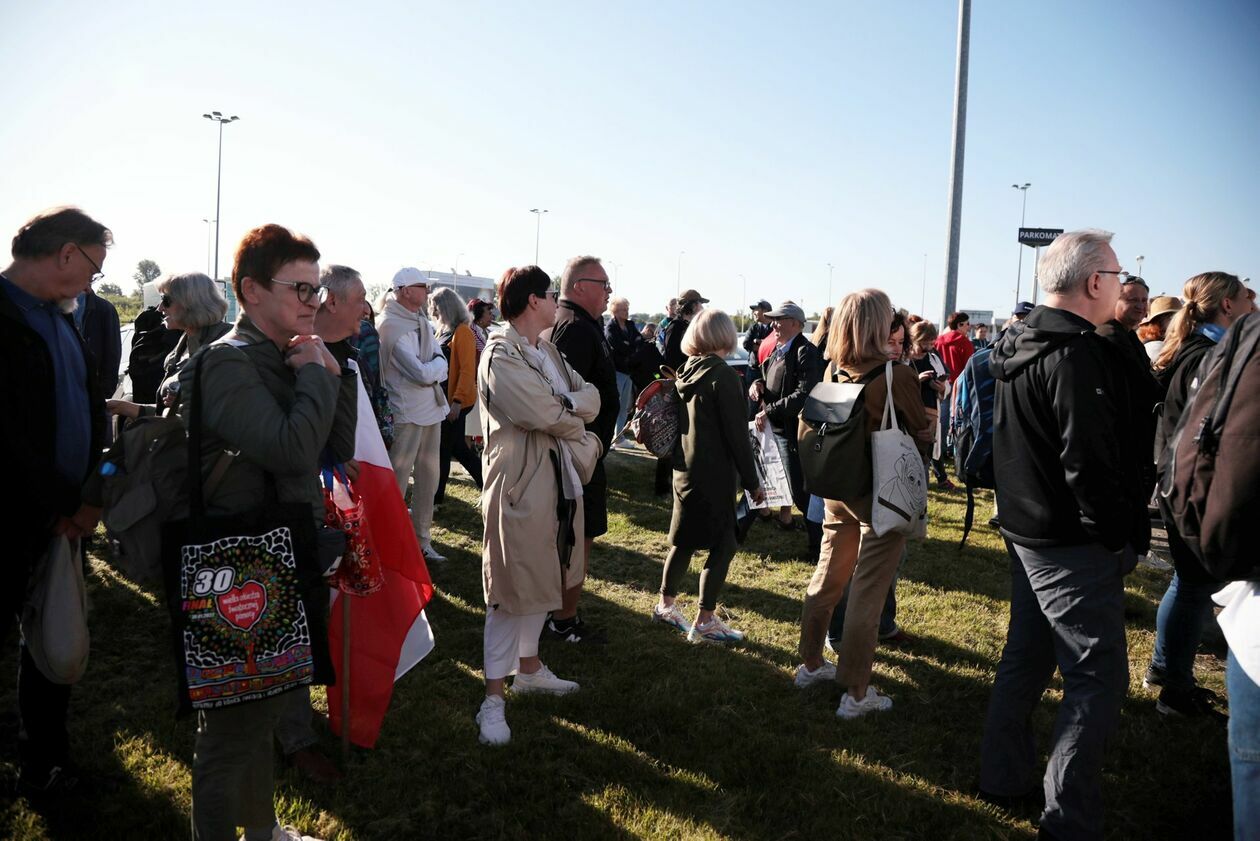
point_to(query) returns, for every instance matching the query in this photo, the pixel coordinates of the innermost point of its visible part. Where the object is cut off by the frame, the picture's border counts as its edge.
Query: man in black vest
(579, 334)
(53, 444)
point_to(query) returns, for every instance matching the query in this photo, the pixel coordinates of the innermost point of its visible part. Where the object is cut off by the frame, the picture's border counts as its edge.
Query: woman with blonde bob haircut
(852, 556)
(713, 454)
(192, 304)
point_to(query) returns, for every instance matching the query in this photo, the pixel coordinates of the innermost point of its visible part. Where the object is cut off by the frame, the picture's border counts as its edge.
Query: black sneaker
(1154, 677)
(1190, 703)
(573, 630)
(994, 523)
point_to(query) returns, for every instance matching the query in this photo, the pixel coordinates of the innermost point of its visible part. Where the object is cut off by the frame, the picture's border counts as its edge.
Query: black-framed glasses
(304, 290)
(1120, 274)
(607, 286)
(98, 275)
(166, 301)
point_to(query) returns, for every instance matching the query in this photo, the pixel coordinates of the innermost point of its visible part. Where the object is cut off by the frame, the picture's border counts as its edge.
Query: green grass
(666, 739)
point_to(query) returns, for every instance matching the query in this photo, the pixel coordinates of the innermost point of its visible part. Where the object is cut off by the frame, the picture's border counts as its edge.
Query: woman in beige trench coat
(538, 455)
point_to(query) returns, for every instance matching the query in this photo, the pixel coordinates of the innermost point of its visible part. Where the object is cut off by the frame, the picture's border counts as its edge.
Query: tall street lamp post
(217, 116)
(1019, 271)
(208, 222)
(538, 214)
(830, 271)
(678, 283)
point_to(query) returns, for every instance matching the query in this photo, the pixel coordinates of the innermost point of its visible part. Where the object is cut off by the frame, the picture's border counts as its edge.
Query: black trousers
(453, 444)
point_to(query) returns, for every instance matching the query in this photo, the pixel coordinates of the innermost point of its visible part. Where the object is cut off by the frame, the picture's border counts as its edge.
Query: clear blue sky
(764, 140)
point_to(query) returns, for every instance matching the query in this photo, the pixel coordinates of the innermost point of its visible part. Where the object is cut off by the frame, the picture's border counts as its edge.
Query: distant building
(466, 285)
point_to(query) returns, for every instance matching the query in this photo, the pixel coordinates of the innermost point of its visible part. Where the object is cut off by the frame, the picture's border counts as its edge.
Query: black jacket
(1176, 379)
(580, 337)
(1145, 395)
(645, 364)
(1063, 478)
(28, 434)
(789, 378)
(757, 332)
(622, 342)
(103, 338)
(674, 331)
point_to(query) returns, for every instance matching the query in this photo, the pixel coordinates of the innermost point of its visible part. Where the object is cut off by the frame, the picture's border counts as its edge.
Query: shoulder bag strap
(890, 416)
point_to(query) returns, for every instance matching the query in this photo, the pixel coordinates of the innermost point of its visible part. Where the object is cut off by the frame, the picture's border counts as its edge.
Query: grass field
(666, 739)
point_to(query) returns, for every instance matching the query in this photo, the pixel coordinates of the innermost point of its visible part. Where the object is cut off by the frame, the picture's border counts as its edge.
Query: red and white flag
(388, 630)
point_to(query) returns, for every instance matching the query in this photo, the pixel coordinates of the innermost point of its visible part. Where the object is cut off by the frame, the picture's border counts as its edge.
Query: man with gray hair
(1072, 511)
(579, 334)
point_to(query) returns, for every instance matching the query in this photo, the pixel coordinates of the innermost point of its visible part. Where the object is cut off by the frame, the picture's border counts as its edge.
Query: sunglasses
(305, 291)
(607, 286)
(166, 301)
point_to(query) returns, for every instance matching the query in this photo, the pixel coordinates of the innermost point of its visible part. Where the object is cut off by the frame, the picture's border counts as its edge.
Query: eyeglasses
(1121, 275)
(305, 291)
(550, 294)
(166, 301)
(98, 275)
(607, 286)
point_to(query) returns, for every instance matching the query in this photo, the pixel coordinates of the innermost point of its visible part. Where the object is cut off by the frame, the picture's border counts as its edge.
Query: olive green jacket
(278, 420)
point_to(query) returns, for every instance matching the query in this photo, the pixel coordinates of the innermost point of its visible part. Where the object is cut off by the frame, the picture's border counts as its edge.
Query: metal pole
(538, 213)
(923, 297)
(209, 241)
(1019, 271)
(958, 154)
(678, 283)
(830, 272)
(218, 194)
(1036, 266)
(344, 677)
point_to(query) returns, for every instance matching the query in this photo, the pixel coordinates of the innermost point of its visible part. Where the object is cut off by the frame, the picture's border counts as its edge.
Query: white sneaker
(805, 678)
(290, 833)
(493, 722)
(671, 616)
(543, 680)
(715, 630)
(872, 703)
(431, 554)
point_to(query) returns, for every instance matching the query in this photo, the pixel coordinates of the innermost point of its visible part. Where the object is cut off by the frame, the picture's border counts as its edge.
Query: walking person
(712, 458)
(412, 371)
(852, 556)
(459, 345)
(272, 393)
(538, 454)
(1072, 507)
(1213, 302)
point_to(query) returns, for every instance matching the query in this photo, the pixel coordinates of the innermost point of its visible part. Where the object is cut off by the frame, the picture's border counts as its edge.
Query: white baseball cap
(410, 276)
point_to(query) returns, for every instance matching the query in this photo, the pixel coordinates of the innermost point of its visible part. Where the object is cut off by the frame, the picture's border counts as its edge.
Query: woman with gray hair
(459, 345)
(193, 304)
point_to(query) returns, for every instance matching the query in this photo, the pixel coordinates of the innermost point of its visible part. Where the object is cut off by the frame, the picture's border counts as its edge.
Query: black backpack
(1214, 501)
(833, 441)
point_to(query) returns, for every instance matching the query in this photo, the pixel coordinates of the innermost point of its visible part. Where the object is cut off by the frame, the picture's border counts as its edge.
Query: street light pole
(208, 222)
(678, 284)
(1019, 271)
(538, 212)
(830, 271)
(923, 297)
(957, 155)
(1139, 260)
(217, 116)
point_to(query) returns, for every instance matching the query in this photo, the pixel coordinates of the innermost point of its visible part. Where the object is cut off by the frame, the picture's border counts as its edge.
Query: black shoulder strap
(970, 516)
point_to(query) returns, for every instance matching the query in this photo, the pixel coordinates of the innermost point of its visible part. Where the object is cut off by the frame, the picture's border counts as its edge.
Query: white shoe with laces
(806, 678)
(542, 681)
(288, 833)
(872, 703)
(431, 554)
(492, 720)
(715, 630)
(671, 616)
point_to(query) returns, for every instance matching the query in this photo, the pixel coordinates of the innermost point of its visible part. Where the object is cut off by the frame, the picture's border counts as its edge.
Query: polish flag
(388, 630)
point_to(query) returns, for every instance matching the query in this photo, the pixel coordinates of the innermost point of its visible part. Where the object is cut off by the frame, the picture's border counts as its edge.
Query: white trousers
(508, 638)
(414, 454)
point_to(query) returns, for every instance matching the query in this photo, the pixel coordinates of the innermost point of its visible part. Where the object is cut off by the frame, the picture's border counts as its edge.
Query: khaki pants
(852, 556)
(414, 453)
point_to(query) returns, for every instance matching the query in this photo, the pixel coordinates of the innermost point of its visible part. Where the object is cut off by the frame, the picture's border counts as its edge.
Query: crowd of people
(1090, 384)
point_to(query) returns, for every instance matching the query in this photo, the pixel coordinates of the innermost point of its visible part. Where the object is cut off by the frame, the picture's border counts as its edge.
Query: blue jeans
(1244, 750)
(887, 618)
(624, 387)
(1183, 613)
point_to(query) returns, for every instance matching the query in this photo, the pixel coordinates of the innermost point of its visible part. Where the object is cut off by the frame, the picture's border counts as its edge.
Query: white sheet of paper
(770, 456)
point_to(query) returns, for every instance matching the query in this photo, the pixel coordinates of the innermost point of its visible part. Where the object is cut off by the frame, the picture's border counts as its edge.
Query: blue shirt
(1215, 332)
(73, 433)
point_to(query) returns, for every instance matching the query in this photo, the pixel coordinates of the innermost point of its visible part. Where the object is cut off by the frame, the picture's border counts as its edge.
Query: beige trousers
(852, 556)
(414, 455)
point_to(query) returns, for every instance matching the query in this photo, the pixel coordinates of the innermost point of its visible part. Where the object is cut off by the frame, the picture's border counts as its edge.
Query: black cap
(762, 305)
(1023, 308)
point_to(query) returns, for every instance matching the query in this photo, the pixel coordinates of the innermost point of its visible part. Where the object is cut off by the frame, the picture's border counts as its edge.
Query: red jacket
(955, 349)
